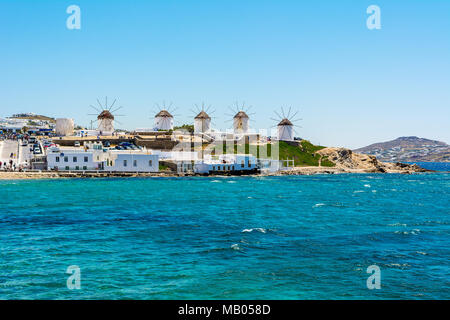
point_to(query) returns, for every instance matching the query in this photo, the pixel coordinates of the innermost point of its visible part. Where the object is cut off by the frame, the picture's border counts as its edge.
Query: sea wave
(236, 247)
(262, 230)
(413, 232)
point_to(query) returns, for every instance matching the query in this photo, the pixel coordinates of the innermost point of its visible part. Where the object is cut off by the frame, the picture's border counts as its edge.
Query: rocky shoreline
(345, 160)
(295, 171)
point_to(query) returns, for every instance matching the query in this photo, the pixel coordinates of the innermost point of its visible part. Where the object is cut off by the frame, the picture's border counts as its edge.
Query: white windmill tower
(285, 130)
(202, 121)
(285, 126)
(241, 119)
(106, 117)
(163, 119)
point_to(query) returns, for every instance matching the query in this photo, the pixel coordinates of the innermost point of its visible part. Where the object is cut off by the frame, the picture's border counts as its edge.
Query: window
(67, 168)
(74, 159)
(85, 159)
(124, 163)
(242, 163)
(66, 159)
(57, 159)
(77, 168)
(84, 168)
(150, 163)
(134, 163)
(249, 163)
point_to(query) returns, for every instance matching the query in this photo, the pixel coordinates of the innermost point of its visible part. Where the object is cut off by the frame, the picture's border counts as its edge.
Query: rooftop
(164, 113)
(241, 114)
(105, 114)
(285, 122)
(202, 115)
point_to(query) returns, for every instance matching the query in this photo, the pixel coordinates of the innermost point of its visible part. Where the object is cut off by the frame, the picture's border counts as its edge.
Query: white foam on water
(367, 185)
(397, 224)
(422, 253)
(413, 232)
(318, 205)
(398, 265)
(358, 191)
(262, 230)
(374, 191)
(235, 247)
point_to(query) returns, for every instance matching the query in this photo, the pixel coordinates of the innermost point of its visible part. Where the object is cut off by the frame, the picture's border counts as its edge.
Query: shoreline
(36, 175)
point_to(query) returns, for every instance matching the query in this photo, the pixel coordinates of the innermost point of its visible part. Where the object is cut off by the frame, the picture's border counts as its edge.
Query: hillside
(303, 153)
(308, 156)
(409, 149)
(34, 117)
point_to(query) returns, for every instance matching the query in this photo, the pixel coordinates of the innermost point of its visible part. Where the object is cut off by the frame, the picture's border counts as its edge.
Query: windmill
(164, 117)
(285, 126)
(202, 120)
(106, 117)
(240, 118)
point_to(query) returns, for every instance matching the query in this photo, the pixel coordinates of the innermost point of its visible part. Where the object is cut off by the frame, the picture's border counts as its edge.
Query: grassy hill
(303, 153)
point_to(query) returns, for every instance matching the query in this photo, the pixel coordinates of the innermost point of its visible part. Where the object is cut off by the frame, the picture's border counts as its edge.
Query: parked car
(107, 144)
(77, 143)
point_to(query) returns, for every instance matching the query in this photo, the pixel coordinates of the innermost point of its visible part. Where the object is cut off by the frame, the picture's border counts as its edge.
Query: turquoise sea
(295, 237)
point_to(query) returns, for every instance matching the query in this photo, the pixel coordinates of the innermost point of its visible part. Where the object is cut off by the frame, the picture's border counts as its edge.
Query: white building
(177, 155)
(163, 121)
(227, 163)
(64, 127)
(12, 124)
(285, 130)
(97, 159)
(202, 123)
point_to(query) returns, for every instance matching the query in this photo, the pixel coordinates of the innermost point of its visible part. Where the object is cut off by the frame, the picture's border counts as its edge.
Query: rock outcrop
(349, 161)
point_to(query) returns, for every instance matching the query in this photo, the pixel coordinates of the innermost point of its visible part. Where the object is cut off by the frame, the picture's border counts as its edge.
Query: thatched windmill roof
(105, 114)
(164, 113)
(285, 122)
(240, 114)
(202, 115)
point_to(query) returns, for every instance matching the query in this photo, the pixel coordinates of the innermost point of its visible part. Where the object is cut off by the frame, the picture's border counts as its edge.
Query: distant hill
(409, 149)
(33, 117)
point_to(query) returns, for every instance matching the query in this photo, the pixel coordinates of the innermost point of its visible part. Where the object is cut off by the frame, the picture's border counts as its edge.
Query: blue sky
(353, 86)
